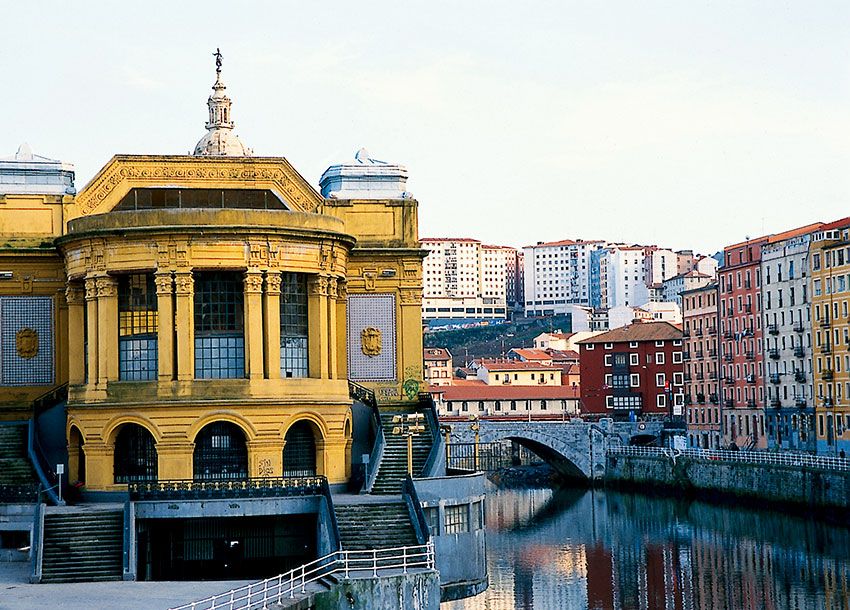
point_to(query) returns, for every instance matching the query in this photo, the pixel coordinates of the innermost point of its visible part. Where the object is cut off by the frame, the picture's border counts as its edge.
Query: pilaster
(174, 460)
(317, 322)
(75, 297)
(271, 321)
(341, 322)
(165, 325)
(185, 325)
(265, 457)
(107, 324)
(254, 324)
(331, 346)
(91, 331)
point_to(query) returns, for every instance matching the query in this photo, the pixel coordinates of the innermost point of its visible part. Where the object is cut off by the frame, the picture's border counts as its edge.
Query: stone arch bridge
(574, 448)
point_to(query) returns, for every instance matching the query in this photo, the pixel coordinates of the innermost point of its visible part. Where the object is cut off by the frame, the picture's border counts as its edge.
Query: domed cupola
(220, 139)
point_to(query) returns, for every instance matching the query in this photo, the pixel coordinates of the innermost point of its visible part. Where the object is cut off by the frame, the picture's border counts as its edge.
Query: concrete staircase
(374, 525)
(15, 466)
(83, 546)
(393, 466)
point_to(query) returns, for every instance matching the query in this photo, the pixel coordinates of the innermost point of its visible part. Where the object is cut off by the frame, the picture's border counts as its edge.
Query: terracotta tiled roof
(795, 232)
(508, 392)
(531, 354)
(464, 239)
(559, 355)
(642, 331)
(514, 365)
(837, 224)
(436, 353)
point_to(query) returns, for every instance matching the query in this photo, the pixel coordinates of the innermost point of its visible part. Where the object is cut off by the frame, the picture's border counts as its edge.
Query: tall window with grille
(293, 325)
(219, 325)
(137, 327)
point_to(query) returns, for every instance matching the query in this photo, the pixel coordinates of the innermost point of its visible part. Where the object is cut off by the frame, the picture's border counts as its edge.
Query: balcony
(700, 376)
(748, 308)
(727, 334)
(798, 327)
(712, 330)
(751, 355)
(713, 375)
(727, 357)
(713, 399)
(698, 332)
(826, 374)
(800, 402)
(712, 352)
(826, 348)
(686, 333)
(824, 322)
(750, 378)
(828, 401)
(698, 355)
(799, 352)
(729, 403)
(799, 376)
(775, 378)
(747, 284)
(751, 403)
(701, 398)
(775, 403)
(773, 353)
(729, 380)
(687, 377)
(773, 329)
(686, 356)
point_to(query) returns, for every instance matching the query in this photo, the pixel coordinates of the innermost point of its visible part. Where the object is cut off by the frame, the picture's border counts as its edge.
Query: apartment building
(830, 276)
(465, 280)
(621, 277)
(438, 366)
(702, 377)
(787, 325)
(557, 275)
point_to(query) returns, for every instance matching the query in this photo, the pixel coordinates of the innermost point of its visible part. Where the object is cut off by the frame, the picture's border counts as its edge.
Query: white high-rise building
(464, 279)
(557, 275)
(622, 277)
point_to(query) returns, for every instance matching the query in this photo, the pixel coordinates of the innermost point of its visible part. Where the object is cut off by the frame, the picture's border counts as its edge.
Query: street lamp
(409, 425)
(475, 426)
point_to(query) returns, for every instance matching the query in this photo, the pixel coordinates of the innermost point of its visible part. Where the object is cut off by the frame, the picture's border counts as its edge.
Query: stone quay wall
(806, 482)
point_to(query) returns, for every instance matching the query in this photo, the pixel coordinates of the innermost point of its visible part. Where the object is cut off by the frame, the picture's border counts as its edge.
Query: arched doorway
(134, 457)
(76, 456)
(220, 452)
(299, 451)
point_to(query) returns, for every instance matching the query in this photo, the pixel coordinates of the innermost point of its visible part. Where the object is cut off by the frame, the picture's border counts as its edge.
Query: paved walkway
(17, 594)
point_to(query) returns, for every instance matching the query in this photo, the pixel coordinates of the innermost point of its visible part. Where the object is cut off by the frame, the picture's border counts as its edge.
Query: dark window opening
(299, 452)
(135, 455)
(220, 453)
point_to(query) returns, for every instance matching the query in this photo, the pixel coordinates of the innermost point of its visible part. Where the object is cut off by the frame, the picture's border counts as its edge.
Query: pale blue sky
(682, 123)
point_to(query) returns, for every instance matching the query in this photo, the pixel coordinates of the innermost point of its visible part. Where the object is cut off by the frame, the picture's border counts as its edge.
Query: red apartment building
(632, 371)
(742, 365)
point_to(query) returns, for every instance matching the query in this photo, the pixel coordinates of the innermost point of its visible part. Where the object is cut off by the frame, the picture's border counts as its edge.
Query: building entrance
(225, 548)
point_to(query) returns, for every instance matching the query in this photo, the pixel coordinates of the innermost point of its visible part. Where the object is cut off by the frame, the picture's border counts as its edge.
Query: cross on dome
(220, 139)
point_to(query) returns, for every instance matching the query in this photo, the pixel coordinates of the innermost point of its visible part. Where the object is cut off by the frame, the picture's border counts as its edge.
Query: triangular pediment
(125, 172)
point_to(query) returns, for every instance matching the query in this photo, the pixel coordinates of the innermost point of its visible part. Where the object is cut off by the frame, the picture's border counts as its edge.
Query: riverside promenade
(17, 594)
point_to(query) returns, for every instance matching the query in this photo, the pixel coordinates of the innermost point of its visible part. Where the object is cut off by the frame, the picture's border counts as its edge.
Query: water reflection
(596, 550)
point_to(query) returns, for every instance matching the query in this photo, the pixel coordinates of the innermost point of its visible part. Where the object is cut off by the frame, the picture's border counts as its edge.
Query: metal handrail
(437, 443)
(326, 491)
(289, 584)
(165, 489)
(408, 491)
(367, 397)
(785, 458)
(46, 475)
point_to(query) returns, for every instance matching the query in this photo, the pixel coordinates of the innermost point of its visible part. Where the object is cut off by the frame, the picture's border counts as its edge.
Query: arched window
(220, 452)
(299, 452)
(135, 456)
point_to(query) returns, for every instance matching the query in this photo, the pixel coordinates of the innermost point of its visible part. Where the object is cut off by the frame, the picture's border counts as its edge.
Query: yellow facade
(830, 310)
(343, 248)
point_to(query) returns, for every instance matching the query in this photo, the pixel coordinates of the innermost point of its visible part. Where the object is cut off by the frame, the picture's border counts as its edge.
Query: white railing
(783, 458)
(350, 564)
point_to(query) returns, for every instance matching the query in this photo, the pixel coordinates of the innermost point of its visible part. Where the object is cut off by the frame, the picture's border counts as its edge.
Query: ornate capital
(185, 283)
(91, 289)
(253, 283)
(333, 291)
(318, 285)
(273, 282)
(107, 287)
(74, 294)
(164, 283)
(341, 288)
(411, 296)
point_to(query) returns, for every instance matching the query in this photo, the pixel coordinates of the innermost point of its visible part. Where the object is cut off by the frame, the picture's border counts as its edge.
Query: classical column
(317, 321)
(185, 325)
(341, 327)
(107, 326)
(91, 331)
(271, 321)
(254, 324)
(409, 340)
(75, 297)
(333, 370)
(165, 325)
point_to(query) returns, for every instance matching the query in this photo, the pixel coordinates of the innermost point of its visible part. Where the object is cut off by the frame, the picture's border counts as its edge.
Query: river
(603, 550)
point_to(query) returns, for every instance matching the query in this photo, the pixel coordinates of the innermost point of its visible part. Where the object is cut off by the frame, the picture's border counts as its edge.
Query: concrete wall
(420, 591)
(797, 485)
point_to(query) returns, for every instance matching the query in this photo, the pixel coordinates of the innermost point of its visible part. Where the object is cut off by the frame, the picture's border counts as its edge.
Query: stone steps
(83, 547)
(393, 467)
(374, 526)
